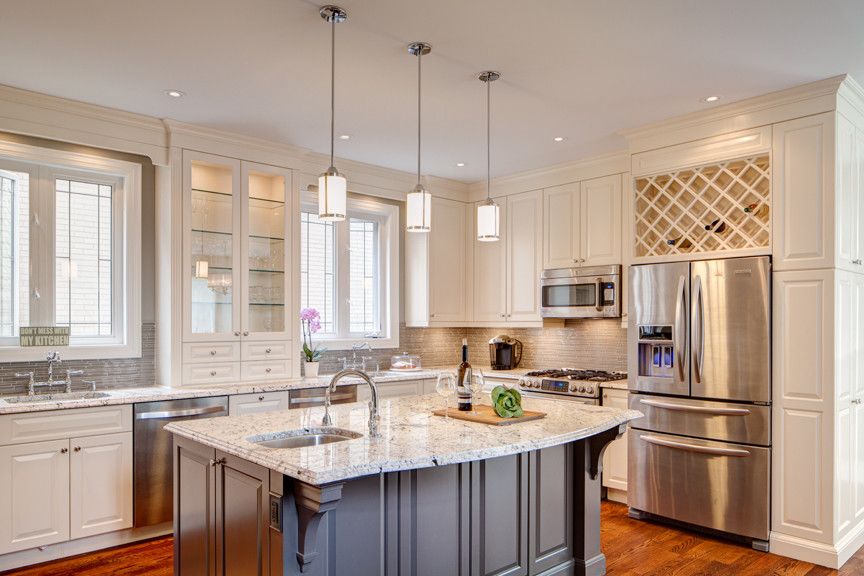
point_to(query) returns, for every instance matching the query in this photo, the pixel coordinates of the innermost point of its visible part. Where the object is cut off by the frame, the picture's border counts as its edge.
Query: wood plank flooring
(632, 548)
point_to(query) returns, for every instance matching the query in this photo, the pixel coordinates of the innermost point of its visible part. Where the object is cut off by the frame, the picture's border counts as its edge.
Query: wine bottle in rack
(680, 242)
(718, 226)
(463, 380)
(757, 209)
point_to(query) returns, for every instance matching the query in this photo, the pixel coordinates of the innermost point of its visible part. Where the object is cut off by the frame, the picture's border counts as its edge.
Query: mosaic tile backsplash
(108, 374)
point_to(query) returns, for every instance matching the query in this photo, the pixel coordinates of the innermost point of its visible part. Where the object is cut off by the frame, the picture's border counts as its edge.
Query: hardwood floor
(632, 548)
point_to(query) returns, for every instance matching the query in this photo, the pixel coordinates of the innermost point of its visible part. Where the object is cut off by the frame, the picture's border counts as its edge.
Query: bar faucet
(373, 403)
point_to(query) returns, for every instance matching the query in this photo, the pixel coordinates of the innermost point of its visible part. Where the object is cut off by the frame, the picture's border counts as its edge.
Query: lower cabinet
(241, 404)
(397, 389)
(615, 456)
(221, 513)
(71, 484)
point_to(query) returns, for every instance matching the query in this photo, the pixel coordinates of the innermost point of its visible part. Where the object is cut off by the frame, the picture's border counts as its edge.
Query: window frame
(44, 165)
(387, 217)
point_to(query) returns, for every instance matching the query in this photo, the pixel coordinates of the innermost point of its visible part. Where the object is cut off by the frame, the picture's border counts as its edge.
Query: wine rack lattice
(711, 208)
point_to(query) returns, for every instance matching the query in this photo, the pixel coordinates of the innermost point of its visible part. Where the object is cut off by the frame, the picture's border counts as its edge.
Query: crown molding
(850, 100)
(796, 102)
(564, 173)
(43, 116)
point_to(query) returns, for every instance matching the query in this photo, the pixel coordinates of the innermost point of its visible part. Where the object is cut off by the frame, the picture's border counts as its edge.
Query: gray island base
(240, 510)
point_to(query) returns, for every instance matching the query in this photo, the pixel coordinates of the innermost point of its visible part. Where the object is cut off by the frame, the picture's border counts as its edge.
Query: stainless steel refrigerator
(699, 354)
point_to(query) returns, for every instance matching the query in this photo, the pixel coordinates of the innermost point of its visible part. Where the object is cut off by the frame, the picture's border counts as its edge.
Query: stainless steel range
(567, 384)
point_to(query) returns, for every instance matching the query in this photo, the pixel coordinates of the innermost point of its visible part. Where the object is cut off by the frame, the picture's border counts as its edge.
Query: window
(349, 272)
(69, 251)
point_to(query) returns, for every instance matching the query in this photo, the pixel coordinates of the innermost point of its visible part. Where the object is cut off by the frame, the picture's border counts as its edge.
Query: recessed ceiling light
(559, 138)
(710, 99)
(175, 93)
(345, 137)
(460, 164)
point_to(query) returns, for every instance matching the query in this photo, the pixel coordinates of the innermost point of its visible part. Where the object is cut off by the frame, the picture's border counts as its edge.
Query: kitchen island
(429, 495)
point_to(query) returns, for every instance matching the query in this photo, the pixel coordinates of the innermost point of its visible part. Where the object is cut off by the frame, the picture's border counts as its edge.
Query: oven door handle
(733, 452)
(598, 288)
(320, 399)
(165, 414)
(699, 409)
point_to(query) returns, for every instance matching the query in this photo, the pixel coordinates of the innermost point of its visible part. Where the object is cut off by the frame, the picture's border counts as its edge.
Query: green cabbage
(507, 402)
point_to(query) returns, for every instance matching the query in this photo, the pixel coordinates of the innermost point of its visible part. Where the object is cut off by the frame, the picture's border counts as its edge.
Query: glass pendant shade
(487, 222)
(419, 210)
(332, 196)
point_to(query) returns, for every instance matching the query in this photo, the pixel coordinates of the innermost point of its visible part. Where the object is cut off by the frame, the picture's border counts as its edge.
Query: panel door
(858, 260)
(242, 404)
(212, 204)
(447, 269)
(857, 393)
(500, 532)
(524, 256)
(34, 495)
(600, 223)
(101, 484)
(242, 517)
(561, 236)
(265, 252)
(803, 192)
(194, 509)
(490, 273)
(615, 456)
(848, 200)
(550, 524)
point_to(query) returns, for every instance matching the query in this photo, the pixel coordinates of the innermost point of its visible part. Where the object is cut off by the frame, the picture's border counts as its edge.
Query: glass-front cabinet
(237, 238)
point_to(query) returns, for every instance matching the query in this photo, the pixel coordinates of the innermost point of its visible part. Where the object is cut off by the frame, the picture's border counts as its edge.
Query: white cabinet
(241, 404)
(582, 223)
(34, 495)
(615, 456)
(100, 484)
(237, 280)
(396, 389)
(63, 476)
(850, 195)
(507, 272)
(447, 262)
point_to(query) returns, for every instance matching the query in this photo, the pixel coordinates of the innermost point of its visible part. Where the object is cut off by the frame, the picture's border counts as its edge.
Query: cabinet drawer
(56, 424)
(267, 350)
(211, 373)
(211, 352)
(241, 404)
(265, 370)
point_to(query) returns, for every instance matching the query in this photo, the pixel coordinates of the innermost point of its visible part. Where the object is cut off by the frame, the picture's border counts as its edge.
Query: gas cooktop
(569, 382)
(581, 375)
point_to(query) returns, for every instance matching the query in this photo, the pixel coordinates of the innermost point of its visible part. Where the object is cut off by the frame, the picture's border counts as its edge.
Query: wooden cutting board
(486, 415)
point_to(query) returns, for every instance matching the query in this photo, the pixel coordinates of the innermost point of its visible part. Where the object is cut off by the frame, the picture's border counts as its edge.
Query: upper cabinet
(850, 195)
(237, 232)
(582, 223)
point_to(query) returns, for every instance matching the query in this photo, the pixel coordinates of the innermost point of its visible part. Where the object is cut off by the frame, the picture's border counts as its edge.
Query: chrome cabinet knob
(856, 401)
(77, 448)
(64, 450)
(268, 370)
(212, 352)
(267, 351)
(857, 261)
(212, 372)
(236, 333)
(245, 333)
(260, 398)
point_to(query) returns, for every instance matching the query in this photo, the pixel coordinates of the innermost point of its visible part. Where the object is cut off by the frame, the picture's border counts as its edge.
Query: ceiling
(581, 69)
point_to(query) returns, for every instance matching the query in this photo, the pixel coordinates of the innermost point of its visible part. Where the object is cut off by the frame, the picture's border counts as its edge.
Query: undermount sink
(59, 397)
(304, 437)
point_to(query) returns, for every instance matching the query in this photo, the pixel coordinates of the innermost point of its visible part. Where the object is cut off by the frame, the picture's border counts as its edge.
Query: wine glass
(446, 387)
(478, 382)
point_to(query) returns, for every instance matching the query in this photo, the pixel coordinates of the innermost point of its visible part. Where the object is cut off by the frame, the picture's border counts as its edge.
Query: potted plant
(310, 323)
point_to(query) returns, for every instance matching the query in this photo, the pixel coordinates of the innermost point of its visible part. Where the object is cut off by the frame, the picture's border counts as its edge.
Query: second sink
(304, 437)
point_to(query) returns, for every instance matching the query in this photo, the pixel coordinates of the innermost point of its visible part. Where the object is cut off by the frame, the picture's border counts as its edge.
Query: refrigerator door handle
(698, 329)
(697, 409)
(680, 327)
(737, 453)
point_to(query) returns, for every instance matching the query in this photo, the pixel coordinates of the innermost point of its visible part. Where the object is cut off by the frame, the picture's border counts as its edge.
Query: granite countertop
(157, 393)
(410, 436)
(615, 385)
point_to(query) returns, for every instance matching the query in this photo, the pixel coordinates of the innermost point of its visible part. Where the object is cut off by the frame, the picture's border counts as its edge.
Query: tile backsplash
(108, 374)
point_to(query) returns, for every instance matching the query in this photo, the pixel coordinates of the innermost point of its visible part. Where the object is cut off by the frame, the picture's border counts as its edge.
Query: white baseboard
(616, 495)
(830, 556)
(850, 544)
(80, 546)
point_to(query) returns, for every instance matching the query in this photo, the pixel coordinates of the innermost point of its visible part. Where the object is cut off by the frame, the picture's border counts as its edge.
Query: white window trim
(388, 231)
(127, 300)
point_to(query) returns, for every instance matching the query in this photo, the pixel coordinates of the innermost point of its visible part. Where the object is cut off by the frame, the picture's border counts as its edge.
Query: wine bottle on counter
(463, 380)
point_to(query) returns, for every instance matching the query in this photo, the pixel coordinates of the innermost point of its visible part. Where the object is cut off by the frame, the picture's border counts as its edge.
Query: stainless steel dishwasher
(154, 470)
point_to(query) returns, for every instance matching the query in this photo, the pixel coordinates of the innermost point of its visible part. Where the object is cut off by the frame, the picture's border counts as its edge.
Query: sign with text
(44, 336)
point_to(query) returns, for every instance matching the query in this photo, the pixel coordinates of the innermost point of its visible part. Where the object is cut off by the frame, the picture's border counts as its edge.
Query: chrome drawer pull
(695, 447)
(212, 352)
(699, 409)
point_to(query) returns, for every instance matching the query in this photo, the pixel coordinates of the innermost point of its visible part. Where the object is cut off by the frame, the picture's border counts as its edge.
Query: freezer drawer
(727, 421)
(716, 485)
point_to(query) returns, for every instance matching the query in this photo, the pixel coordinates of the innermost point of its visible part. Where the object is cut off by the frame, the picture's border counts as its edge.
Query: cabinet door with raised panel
(242, 517)
(600, 225)
(447, 267)
(615, 456)
(524, 256)
(848, 199)
(242, 404)
(34, 495)
(101, 484)
(859, 195)
(561, 226)
(490, 273)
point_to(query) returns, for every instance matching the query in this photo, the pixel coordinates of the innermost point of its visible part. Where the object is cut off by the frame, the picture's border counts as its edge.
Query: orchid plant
(310, 323)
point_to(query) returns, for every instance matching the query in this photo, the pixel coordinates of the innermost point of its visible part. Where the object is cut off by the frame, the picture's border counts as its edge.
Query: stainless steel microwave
(581, 292)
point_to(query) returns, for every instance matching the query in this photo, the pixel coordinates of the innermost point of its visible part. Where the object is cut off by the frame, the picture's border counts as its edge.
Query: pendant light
(488, 215)
(332, 186)
(419, 201)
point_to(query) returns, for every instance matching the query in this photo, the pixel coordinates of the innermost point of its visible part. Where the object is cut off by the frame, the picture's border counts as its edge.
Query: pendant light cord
(488, 139)
(419, 96)
(332, 86)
